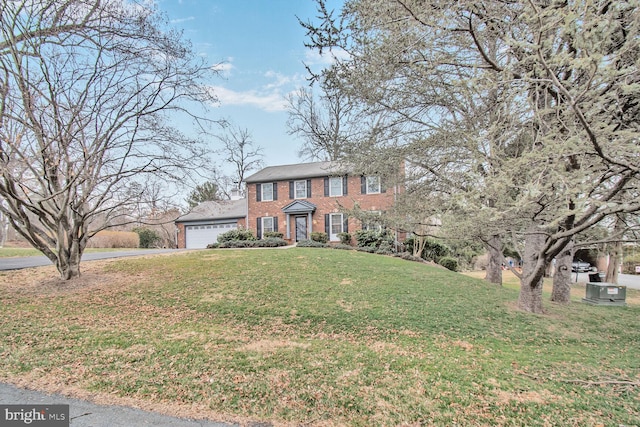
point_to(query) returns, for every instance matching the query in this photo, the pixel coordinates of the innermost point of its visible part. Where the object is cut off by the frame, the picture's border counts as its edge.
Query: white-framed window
(300, 189)
(335, 186)
(336, 224)
(267, 224)
(372, 184)
(267, 192)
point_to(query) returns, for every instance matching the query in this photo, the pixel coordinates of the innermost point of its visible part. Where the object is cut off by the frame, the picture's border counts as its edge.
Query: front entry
(301, 228)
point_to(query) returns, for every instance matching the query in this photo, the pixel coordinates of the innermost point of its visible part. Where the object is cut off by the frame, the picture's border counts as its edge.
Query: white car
(580, 266)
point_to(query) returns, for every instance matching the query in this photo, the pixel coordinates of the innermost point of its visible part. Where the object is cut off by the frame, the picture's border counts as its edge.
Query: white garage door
(199, 236)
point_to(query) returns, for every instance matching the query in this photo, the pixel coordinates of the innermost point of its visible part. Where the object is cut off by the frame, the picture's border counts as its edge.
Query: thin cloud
(223, 68)
(270, 102)
(270, 97)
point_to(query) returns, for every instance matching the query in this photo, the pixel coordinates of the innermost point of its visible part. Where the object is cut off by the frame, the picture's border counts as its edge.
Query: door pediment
(299, 207)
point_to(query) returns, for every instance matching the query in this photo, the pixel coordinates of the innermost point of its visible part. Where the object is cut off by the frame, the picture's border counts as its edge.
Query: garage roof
(297, 171)
(218, 209)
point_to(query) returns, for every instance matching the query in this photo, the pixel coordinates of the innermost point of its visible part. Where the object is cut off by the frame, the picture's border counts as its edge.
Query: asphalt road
(18, 263)
(87, 414)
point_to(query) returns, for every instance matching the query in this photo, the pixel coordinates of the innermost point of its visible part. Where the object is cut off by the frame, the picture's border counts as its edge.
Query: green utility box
(605, 294)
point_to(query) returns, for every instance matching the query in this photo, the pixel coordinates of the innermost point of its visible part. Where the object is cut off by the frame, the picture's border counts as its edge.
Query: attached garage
(199, 236)
(208, 220)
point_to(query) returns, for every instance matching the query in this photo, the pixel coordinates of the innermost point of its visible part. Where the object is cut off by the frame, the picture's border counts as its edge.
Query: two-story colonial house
(295, 200)
(299, 199)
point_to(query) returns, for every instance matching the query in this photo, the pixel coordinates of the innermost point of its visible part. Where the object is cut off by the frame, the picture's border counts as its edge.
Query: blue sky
(260, 46)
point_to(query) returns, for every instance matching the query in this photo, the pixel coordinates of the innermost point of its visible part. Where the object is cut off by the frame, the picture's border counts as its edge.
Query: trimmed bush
(235, 244)
(270, 242)
(318, 236)
(148, 237)
(345, 238)
(311, 244)
(275, 234)
(433, 250)
(213, 245)
(374, 239)
(240, 234)
(367, 238)
(449, 263)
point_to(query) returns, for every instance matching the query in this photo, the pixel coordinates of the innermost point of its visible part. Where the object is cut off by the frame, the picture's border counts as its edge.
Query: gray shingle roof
(297, 171)
(219, 209)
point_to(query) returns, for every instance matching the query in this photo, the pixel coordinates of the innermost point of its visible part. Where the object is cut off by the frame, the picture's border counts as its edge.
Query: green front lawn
(325, 337)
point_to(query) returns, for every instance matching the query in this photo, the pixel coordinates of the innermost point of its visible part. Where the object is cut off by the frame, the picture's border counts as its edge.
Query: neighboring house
(299, 199)
(206, 221)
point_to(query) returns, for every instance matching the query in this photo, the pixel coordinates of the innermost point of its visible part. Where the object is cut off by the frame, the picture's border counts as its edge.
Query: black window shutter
(259, 227)
(326, 224)
(363, 185)
(326, 186)
(383, 189)
(291, 195)
(275, 191)
(258, 192)
(275, 223)
(345, 223)
(344, 185)
(309, 188)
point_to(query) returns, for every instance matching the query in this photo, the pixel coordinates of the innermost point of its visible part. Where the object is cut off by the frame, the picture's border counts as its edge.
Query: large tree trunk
(68, 262)
(530, 298)
(494, 266)
(615, 254)
(615, 258)
(562, 277)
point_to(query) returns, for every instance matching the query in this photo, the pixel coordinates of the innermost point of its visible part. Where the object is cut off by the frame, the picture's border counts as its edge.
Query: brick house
(299, 199)
(295, 200)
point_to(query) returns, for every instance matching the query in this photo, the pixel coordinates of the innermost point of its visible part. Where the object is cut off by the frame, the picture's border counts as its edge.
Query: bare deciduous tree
(240, 152)
(85, 91)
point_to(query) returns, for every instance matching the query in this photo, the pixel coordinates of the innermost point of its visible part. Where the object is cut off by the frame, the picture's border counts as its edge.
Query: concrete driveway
(18, 263)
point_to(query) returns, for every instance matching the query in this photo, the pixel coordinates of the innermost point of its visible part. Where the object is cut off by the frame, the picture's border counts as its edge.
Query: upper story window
(300, 189)
(371, 185)
(335, 186)
(266, 192)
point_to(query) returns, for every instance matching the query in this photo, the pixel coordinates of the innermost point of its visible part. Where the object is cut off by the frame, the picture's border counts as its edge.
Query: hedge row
(114, 239)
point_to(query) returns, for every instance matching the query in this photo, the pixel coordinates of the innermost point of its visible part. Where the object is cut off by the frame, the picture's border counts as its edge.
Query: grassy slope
(327, 337)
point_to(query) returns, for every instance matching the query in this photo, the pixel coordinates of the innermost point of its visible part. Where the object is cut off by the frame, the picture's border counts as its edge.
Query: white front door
(335, 226)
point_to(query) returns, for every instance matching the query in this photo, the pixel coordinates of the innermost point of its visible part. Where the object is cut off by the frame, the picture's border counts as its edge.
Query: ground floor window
(266, 224)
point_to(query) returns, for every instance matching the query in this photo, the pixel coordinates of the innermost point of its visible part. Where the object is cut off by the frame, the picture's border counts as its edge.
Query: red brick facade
(323, 205)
